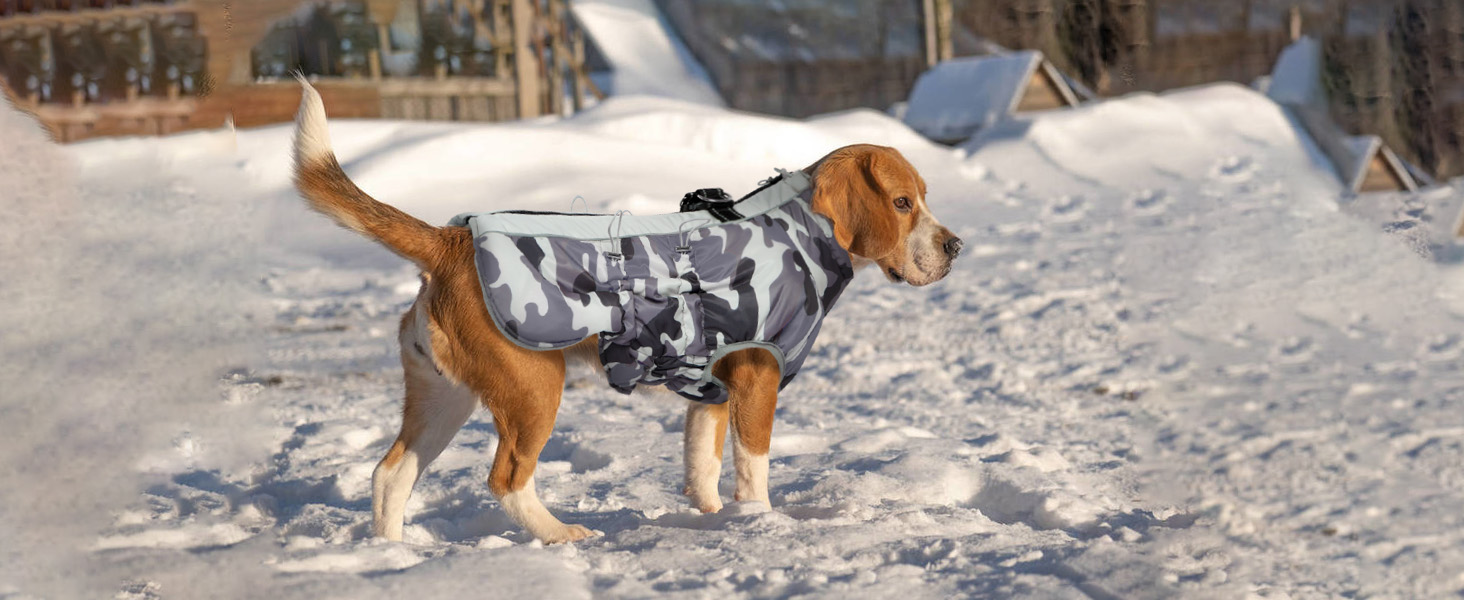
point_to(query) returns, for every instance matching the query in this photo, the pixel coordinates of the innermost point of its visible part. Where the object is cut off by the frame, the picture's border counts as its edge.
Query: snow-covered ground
(1168, 366)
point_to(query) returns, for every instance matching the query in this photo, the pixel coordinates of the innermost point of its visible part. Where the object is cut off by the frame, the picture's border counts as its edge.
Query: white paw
(567, 533)
(707, 503)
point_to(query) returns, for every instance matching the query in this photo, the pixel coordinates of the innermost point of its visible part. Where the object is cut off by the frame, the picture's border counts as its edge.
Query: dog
(455, 357)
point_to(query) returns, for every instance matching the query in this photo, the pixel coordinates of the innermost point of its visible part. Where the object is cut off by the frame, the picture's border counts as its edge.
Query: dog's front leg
(706, 433)
(752, 378)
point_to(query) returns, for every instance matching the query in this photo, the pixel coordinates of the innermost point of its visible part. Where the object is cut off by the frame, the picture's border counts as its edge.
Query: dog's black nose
(953, 247)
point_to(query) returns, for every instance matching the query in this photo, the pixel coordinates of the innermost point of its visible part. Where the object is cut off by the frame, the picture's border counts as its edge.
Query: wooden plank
(1041, 94)
(66, 17)
(451, 86)
(1380, 177)
(439, 108)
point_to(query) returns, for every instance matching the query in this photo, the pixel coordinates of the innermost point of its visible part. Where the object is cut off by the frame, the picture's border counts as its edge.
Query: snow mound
(1222, 132)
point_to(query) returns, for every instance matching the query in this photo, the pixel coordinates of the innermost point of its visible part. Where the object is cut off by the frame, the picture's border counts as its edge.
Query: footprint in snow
(1067, 209)
(1175, 367)
(1150, 202)
(1021, 499)
(1443, 347)
(1234, 168)
(139, 590)
(1294, 350)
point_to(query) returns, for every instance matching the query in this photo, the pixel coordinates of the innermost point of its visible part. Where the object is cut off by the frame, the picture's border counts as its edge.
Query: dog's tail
(326, 187)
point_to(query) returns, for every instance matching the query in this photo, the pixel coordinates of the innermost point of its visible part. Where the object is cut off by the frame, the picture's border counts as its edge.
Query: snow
(1297, 77)
(645, 54)
(960, 96)
(1170, 365)
(1363, 148)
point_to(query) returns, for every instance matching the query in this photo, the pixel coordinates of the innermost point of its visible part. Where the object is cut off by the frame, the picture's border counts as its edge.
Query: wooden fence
(540, 53)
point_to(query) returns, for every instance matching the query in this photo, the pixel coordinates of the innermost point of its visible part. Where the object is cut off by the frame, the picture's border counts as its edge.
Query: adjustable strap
(724, 212)
(713, 200)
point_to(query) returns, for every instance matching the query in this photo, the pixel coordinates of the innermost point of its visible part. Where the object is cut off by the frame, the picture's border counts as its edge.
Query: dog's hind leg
(752, 378)
(706, 433)
(524, 402)
(435, 410)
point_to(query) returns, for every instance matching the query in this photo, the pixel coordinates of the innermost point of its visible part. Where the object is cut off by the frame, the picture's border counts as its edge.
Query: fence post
(559, 63)
(937, 17)
(576, 85)
(525, 63)
(383, 47)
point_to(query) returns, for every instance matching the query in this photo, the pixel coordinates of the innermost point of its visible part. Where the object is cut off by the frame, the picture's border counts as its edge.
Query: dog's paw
(567, 533)
(708, 504)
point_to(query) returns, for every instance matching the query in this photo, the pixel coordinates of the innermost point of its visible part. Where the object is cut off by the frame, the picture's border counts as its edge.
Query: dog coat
(668, 294)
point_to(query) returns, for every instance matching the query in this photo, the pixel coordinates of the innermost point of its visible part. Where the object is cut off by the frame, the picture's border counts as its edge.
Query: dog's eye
(903, 204)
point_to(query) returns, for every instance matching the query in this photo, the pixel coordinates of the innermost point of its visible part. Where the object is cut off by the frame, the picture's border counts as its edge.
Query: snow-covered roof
(1297, 76)
(1351, 156)
(1362, 148)
(646, 56)
(1296, 83)
(960, 96)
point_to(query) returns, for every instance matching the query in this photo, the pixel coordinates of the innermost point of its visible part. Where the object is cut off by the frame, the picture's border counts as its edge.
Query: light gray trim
(498, 322)
(730, 348)
(604, 227)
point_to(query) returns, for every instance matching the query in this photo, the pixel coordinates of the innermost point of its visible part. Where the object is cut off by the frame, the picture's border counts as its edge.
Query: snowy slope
(646, 56)
(1168, 366)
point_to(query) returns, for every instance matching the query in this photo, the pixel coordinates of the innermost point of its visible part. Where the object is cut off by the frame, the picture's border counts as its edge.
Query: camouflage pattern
(667, 294)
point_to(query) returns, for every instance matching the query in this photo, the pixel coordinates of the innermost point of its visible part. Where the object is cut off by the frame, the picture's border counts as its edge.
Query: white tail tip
(312, 137)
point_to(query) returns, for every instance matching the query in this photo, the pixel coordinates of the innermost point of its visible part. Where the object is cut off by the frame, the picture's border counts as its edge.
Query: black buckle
(713, 200)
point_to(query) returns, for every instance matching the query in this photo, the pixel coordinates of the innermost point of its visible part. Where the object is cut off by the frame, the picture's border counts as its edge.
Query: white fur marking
(703, 466)
(312, 136)
(524, 508)
(390, 489)
(752, 475)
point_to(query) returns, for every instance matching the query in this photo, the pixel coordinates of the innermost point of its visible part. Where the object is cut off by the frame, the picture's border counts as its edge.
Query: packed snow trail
(1166, 367)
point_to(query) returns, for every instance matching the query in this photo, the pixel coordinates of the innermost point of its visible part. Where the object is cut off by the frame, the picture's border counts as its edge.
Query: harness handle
(580, 199)
(612, 233)
(683, 233)
(782, 174)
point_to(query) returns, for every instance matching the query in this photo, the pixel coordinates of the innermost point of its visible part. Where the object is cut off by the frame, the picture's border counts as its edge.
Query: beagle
(867, 199)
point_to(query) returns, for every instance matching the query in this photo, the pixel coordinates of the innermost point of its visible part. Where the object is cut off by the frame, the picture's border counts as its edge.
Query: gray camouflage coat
(668, 294)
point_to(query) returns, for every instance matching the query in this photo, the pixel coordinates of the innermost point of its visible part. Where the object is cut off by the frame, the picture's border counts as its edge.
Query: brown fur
(854, 187)
(324, 184)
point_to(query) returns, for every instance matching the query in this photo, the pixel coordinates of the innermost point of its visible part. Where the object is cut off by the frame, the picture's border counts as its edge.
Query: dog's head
(876, 200)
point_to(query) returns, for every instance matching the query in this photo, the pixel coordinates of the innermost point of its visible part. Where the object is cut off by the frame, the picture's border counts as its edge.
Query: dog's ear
(849, 189)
